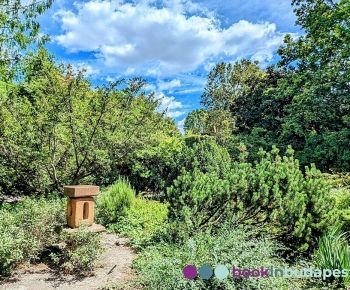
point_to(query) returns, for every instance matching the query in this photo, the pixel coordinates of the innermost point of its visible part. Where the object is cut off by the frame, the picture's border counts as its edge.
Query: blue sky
(171, 43)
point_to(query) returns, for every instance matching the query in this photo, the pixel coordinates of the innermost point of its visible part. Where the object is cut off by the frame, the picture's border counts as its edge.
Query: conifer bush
(273, 190)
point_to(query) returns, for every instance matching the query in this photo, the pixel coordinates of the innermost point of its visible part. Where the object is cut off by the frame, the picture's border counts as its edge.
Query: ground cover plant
(31, 230)
(160, 266)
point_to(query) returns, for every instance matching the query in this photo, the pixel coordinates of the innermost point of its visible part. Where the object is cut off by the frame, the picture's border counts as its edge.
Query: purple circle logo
(190, 272)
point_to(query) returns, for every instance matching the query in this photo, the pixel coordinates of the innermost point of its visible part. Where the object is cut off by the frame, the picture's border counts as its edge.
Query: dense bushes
(26, 229)
(205, 155)
(274, 191)
(160, 266)
(154, 168)
(114, 202)
(143, 222)
(78, 252)
(340, 196)
(33, 227)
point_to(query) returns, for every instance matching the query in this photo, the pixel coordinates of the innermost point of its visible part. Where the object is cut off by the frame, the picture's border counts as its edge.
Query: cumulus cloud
(170, 105)
(86, 68)
(162, 85)
(181, 124)
(160, 39)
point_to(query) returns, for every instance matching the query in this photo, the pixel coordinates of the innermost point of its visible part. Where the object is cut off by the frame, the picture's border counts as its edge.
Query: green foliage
(160, 266)
(206, 155)
(339, 180)
(238, 89)
(333, 252)
(273, 191)
(79, 252)
(113, 203)
(56, 129)
(27, 228)
(153, 168)
(317, 119)
(144, 221)
(218, 123)
(340, 194)
(18, 30)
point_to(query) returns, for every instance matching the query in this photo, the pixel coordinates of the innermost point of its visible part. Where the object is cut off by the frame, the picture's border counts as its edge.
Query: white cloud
(177, 36)
(110, 79)
(190, 91)
(86, 68)
(169, 85)
(150, 87)
(209, 66)
(181, 124)
(170, 105)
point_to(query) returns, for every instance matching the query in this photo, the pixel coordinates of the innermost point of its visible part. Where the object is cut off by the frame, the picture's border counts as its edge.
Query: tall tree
(317, 82)
(215, 122)
(18, 29)
(56, 129)
(237, 88)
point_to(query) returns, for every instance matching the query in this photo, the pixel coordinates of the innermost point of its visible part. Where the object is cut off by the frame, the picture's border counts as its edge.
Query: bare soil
(113, 267)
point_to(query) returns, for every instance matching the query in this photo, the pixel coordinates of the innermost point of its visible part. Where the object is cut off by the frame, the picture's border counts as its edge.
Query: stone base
(95, 228)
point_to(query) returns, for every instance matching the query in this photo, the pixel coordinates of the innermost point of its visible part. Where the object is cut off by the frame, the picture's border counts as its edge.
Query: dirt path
(114, 266)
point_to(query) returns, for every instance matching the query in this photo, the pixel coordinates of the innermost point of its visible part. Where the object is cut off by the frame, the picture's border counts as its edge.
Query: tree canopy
(303, 101)
(18, 29)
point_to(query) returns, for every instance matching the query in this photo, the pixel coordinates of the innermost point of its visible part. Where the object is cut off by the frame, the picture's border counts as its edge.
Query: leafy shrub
(341, 211)
(153, 168)
(27, 228)
(333, 252)
(113, 203)
(79, 252)
(143, 221)
(274, 191)
(339, 180)
(34, 226)
(160, 266)
(340, 196)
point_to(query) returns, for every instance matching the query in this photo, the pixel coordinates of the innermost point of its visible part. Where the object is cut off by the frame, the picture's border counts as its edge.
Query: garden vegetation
(260, 176)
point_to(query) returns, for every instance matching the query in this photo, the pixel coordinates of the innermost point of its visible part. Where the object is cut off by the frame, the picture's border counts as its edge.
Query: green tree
(18, 29)
(317, 123)
(238, 89)
(196, 122)
(56, 129)
(216, 122)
